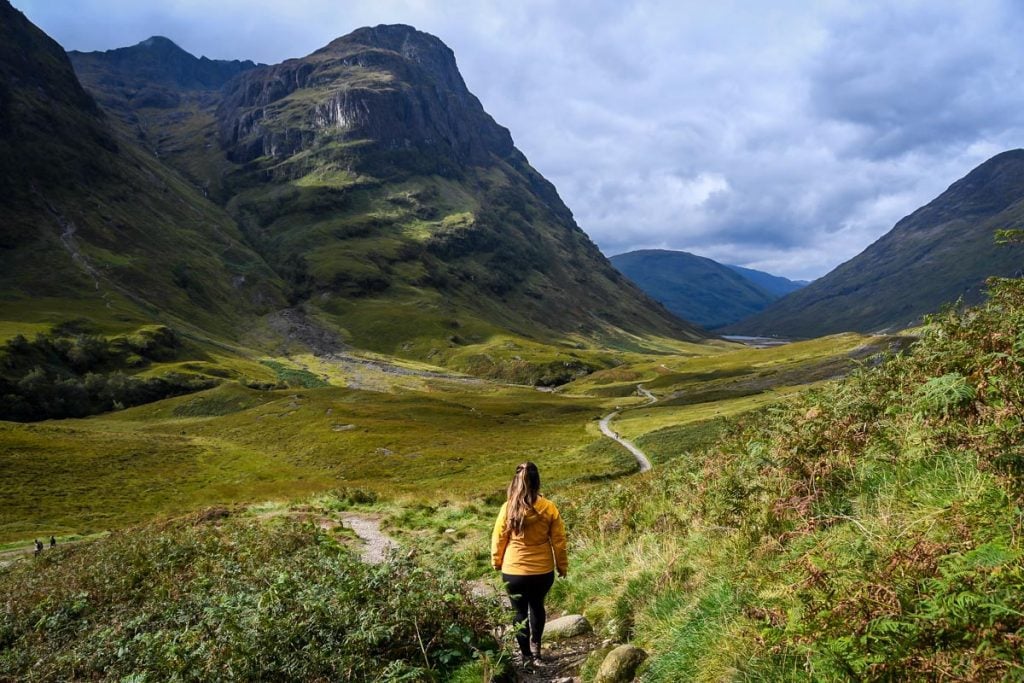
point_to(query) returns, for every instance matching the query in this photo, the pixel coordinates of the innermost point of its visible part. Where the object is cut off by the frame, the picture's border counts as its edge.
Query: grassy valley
(241, 303)
(866, 527)
(290, 427)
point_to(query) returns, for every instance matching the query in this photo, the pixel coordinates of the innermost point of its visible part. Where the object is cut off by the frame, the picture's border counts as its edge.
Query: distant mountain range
(362, 187)
(940, 253)
(699, 289)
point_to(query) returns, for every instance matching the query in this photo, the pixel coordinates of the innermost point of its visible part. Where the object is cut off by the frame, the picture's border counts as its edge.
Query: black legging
(527, 593)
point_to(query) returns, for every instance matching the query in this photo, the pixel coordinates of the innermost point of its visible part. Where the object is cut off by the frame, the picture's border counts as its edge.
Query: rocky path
(641, 458)
(376, 544)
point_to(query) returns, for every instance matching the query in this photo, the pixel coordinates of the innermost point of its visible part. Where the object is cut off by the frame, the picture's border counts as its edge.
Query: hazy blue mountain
(700, 289)
(773, 284)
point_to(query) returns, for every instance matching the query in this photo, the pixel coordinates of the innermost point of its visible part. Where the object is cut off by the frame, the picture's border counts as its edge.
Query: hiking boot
(535, 652)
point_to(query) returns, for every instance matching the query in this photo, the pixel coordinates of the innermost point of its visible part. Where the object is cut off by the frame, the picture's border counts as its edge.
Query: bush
(234, 600)
(71, 373)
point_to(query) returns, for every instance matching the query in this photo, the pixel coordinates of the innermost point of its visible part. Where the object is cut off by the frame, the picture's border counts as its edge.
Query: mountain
(371, 179)
(698, 288)
(773, 284)
(156, 61)
(943, 251)
(164, 99)
(94, 226)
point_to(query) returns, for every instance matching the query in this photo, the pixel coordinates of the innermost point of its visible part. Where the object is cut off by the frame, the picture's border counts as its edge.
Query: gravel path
(376, 544)
(606, 429)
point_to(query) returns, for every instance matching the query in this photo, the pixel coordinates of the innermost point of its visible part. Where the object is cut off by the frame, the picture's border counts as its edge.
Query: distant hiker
(53, 541)
(527, 546)
(39, 546)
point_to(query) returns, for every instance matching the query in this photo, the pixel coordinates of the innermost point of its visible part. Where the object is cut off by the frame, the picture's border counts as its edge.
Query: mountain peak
(159, 42)
(400, 38)
(157, 60)
(894, 282)
(423, 49)
(390, 84)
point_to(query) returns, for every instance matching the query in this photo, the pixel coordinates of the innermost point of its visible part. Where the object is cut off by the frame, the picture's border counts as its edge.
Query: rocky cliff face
(391, 85)
(942, 252)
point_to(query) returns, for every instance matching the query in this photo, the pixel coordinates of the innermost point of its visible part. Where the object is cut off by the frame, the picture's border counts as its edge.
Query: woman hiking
(527, 546)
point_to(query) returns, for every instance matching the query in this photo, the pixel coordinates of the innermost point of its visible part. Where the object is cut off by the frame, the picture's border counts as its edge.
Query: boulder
(569, 626)
(620, 665)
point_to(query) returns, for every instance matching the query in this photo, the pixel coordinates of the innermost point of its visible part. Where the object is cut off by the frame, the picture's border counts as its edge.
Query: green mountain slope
(164, 99)
(92, 226)
(694, 287)
(939, 253)
(397, 210)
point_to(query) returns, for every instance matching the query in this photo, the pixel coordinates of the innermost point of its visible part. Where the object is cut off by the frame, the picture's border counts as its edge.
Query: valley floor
(395, 430)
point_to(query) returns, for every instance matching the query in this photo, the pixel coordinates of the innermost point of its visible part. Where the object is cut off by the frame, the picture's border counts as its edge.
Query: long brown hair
(522, 494)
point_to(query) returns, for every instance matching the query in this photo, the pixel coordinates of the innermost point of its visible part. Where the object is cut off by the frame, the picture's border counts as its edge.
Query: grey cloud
(922, 77)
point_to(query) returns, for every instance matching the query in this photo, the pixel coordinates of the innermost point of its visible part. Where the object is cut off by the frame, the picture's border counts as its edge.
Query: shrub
(234, 600)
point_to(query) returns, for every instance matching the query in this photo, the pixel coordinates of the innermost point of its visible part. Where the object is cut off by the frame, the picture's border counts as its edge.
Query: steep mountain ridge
(93, 226)
(164, 98)
(941, 252)
(156, 61)
(363, 186)
(392, 85)
(698, 288)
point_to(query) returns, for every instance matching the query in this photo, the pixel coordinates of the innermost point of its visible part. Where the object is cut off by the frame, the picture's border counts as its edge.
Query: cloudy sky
(785, 136)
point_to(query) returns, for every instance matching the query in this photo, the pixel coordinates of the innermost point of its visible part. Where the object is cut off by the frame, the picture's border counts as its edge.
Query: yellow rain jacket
(538, 550)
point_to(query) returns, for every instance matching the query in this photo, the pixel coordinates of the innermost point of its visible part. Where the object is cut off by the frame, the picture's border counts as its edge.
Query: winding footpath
(641, 458)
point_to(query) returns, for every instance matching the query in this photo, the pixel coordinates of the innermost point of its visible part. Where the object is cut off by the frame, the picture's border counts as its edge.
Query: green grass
(295, 377)
(402, 436)
(867, 529)
(233, 444)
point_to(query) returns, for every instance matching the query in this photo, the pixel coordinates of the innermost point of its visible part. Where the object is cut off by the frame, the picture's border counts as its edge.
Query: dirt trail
(376, 544)
(12, 555)
(606, 429)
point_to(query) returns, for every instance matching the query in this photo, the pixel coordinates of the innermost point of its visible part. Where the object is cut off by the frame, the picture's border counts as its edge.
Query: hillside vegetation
(216, 597)
(290, 427)
(868, 529)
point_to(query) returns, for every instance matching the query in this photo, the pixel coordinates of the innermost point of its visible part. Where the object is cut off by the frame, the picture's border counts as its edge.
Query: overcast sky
(784, 136)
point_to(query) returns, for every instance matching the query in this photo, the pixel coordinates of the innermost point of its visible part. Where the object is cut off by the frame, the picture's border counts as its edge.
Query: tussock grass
(867, 530)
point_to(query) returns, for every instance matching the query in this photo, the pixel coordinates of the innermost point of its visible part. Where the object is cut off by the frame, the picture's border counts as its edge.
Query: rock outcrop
(620, 665)
(392, 85)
